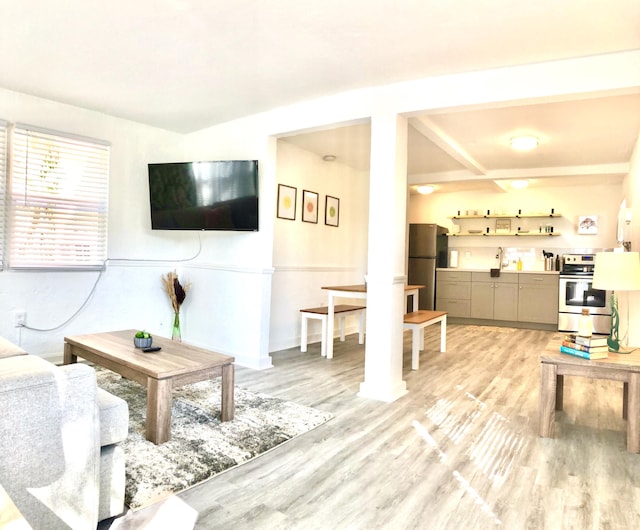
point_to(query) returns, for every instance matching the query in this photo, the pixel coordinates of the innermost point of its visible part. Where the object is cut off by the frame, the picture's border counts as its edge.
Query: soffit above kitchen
(582, 141)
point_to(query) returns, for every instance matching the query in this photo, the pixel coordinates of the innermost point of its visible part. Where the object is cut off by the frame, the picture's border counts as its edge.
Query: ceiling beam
(604, 170)
(436, 135)
(616, 169)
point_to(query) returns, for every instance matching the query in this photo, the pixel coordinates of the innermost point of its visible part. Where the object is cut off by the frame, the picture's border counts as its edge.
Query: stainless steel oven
(576, 293)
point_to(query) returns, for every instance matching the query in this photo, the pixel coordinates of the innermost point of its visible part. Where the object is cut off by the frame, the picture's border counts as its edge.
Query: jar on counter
(585, 324)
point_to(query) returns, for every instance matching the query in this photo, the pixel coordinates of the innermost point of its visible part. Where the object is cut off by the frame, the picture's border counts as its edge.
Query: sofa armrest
(114, 418)
(9, 349)
(49, 441)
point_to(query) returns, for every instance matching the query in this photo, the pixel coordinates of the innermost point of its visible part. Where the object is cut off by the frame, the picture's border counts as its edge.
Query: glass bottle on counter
(519, 264)
(585, 325)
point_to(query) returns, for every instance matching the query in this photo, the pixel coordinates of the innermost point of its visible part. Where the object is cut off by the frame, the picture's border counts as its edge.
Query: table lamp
(617, 271)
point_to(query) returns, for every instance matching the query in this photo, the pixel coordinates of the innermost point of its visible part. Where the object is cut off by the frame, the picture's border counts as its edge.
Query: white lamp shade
(617, 271)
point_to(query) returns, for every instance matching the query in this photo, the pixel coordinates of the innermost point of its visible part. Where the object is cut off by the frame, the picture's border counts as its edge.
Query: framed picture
(332, 211)
(286, 202)
(309, 206)
(588, 224)
(503, 226)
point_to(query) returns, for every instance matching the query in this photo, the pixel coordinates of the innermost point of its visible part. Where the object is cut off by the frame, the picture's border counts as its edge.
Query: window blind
(59, 198)
(3, 165)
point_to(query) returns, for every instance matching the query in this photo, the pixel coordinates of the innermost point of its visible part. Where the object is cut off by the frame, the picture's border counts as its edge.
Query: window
(3, 165)
(58, 200)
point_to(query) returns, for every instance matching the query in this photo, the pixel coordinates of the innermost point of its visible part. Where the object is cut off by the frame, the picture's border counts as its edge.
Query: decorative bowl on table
(142, 339)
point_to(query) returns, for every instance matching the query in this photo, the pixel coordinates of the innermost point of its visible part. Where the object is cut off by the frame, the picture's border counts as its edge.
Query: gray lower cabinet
(453, 293)
(538, 298)
(494, 298)
(522, 297)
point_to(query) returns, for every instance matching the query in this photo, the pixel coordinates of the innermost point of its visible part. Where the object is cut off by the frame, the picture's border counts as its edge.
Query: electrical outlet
(19, 319)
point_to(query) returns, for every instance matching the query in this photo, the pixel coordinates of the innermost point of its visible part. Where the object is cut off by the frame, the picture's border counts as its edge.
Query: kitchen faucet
(499, 258)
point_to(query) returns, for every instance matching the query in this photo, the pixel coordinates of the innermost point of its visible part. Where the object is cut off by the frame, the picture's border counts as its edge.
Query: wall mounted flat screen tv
(218, 195)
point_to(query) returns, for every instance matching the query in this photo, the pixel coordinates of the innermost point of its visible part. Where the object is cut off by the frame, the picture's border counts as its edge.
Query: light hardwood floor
(461, 450)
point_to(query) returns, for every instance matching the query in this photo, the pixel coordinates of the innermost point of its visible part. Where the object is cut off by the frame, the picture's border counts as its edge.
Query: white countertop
(503, 271)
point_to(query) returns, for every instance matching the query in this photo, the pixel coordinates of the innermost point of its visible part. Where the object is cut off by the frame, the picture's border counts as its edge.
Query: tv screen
(218, 195)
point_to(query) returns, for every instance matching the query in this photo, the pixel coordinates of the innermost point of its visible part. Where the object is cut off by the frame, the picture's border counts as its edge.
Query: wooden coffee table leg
(547, 409)
(68, 357)
(633, 413)
(227, 405)
(158, 428)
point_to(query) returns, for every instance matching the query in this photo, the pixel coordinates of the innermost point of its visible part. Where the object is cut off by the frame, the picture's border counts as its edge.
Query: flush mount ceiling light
(425, 190)
(524, 143)
(329, 158)
(519, 184)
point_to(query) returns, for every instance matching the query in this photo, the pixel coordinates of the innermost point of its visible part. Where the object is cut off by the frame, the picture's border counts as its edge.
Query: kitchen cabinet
(538, 298)
(494, 298)
(453, 293)
(511, 297)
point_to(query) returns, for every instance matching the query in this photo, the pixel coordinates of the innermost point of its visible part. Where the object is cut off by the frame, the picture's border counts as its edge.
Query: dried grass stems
(177, 293)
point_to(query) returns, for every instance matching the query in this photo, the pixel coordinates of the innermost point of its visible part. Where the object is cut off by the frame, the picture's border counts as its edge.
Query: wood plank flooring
(461, 450)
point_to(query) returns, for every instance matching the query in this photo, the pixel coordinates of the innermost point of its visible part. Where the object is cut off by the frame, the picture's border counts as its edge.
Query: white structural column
(385, 268)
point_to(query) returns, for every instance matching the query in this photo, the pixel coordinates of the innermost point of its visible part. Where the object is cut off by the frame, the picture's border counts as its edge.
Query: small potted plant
(142, 339)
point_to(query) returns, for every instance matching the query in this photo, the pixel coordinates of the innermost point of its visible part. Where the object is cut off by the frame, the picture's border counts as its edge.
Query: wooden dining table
(356, 291)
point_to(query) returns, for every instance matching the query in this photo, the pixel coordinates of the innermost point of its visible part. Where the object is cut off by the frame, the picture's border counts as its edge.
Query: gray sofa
(60, 461)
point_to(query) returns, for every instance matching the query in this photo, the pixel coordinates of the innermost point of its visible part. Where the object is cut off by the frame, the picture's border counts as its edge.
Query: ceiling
(582, 142)
(184, 65)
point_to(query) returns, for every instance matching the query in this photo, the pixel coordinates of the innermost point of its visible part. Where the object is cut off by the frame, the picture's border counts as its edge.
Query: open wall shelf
(518, 234)
(504, 229)
(506, 216)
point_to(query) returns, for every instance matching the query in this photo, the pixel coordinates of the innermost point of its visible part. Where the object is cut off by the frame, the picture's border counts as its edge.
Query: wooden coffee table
(618, 367)
(175, 365)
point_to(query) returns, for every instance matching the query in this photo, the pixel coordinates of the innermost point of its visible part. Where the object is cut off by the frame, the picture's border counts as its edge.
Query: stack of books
(586, 347)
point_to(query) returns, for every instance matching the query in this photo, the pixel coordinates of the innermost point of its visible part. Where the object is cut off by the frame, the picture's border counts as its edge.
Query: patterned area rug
(201, 446)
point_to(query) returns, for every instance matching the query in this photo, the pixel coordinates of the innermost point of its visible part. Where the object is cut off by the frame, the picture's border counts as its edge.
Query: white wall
(631, 300)
(307, 256)
(128, 294)
(234, 269)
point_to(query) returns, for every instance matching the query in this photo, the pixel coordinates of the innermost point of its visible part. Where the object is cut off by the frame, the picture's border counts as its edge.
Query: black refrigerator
(428, 249)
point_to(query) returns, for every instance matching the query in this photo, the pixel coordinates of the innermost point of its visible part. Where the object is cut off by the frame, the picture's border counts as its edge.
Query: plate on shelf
(475, 231)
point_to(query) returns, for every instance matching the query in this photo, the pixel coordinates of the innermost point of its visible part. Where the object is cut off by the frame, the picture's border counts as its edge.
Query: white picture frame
(587, 224)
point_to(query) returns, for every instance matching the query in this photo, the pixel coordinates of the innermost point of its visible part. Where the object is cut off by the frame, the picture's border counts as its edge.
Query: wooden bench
(321, 313)
(416, 322)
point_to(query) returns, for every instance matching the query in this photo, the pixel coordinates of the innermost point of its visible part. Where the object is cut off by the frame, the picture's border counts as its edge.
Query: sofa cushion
(114, 418)
(9, 349)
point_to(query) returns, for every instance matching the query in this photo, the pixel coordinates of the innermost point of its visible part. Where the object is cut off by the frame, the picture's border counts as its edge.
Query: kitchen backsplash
(532, 258)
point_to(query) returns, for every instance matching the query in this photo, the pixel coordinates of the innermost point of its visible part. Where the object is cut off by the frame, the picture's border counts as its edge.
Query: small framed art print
(286, 202)
(309, 206)
(588, 224)
(332, 211)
